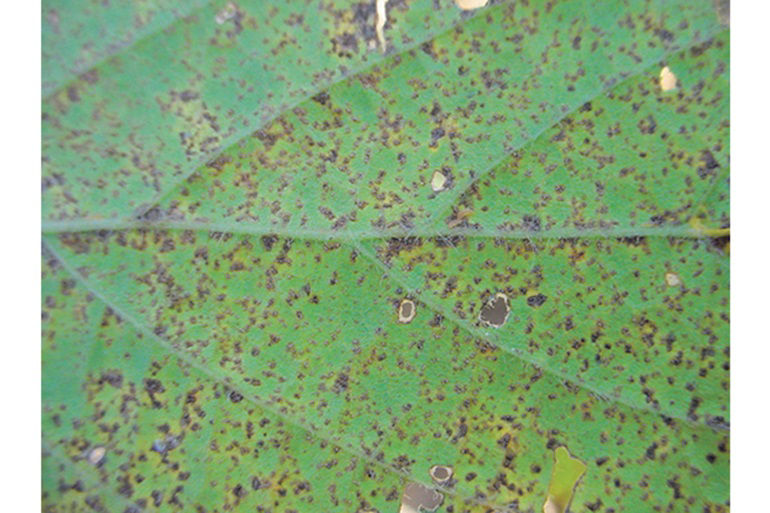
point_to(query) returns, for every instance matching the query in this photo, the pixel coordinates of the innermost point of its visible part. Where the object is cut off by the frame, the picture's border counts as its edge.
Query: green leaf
(240, 200)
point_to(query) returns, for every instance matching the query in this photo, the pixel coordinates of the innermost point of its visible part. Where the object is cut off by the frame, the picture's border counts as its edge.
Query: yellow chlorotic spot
(667, 79)
(564, 477)
(438, 182)
(697, 224)
(468, 5)
(382, 18)
(672, 279)
(406, 311)
(96, 455)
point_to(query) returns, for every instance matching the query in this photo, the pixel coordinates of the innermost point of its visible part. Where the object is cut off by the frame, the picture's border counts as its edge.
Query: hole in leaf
(496, 311)
(418, 497)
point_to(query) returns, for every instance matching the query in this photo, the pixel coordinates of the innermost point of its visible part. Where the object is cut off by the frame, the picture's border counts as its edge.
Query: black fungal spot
(719, 243)
(268, 241)
(340, 383)
(531, 223)
(236, 396)
(321, 98)
(536, 300)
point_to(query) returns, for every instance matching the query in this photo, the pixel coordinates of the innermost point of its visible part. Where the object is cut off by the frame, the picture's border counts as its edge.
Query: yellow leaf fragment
(667, 79)
(566, 473)
(468, 5)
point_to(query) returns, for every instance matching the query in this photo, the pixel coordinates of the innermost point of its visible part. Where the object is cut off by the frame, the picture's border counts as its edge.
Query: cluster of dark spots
(186, 95)
(719, 243)
(239, 491)
(436, 321)
(235, 396)
(676, 487)
(220, 162)
(647, 125)
(345, 45)
(153, 387)
(717, 422)
(531, 223)
(321, 98)
(364, 14)
(709, 165)
(650, 451)
(635, 241)
(536, 300)
(169, 443)
(451, 241)
(268, 241)
(340, 383)
(397, 245)
(594, 506)
(113, 377)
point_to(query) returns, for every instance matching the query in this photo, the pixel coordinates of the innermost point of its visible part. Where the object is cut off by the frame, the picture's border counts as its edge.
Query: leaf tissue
(364, 256)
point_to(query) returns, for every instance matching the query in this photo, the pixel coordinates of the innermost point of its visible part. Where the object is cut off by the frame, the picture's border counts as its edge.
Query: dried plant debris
(495, 312)
(418, 497)
(673, 279)
(667, 79)
(382, 19)
(406, 311)
(228, 12)
(96, 455)
(566, 473)
(441, 474)
(468, 5)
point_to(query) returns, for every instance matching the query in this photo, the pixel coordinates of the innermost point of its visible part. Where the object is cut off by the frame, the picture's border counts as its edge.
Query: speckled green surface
(233, 210)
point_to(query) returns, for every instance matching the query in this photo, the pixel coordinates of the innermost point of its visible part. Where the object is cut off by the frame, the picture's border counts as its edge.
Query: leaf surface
(238, 199)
